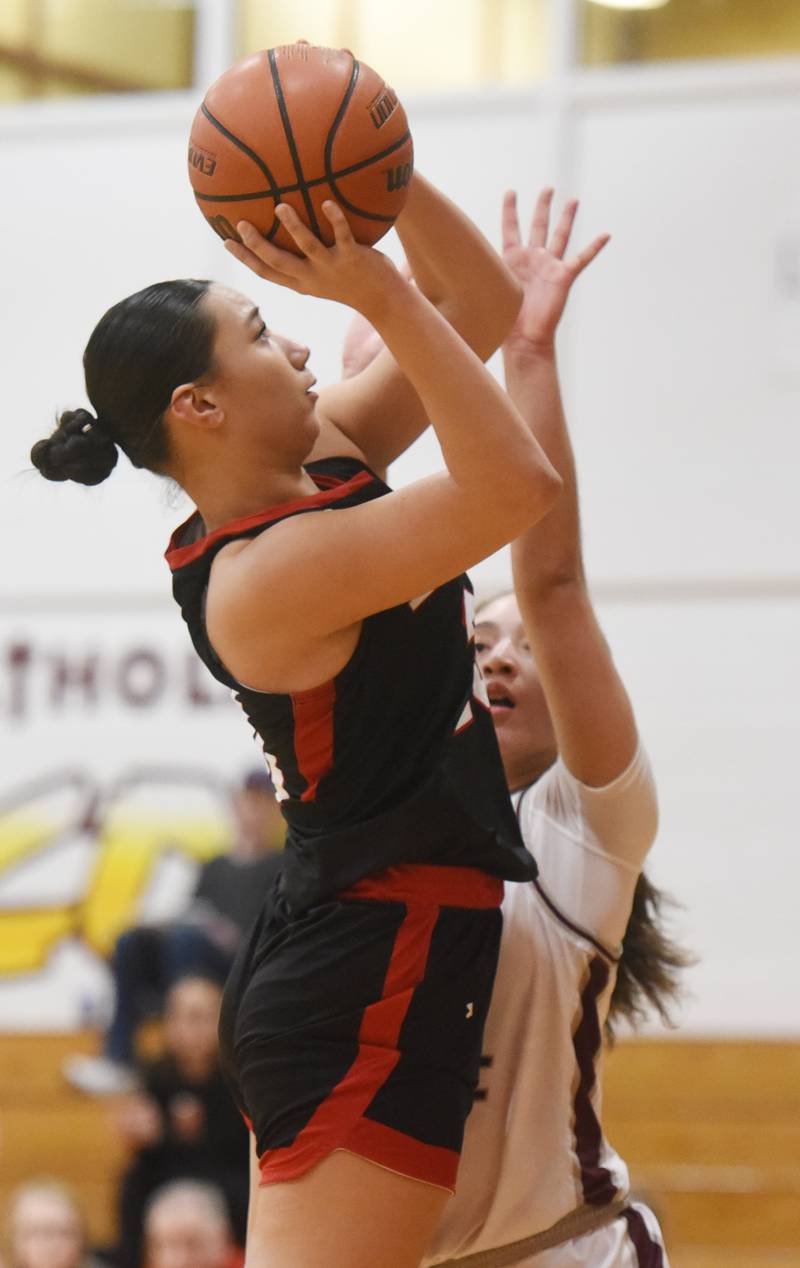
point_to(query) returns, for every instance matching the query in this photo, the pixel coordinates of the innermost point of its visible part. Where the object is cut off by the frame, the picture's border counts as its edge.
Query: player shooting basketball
(338, 612)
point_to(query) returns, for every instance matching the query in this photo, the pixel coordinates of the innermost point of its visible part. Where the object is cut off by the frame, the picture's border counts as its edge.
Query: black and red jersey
(394, 760)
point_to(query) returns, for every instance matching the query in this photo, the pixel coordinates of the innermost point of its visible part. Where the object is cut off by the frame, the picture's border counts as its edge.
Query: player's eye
(480, 647)
(263, 334)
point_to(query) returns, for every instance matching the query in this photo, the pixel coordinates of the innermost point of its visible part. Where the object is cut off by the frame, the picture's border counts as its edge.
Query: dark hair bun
(79, 449)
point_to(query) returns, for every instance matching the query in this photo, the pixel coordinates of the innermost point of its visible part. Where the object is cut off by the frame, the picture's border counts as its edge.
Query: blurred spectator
(45, 1228)
(148, 958)
(186, 1226)
(183, 1123)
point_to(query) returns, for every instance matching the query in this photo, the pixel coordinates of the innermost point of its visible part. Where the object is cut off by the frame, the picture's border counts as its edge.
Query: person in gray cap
(148, 959)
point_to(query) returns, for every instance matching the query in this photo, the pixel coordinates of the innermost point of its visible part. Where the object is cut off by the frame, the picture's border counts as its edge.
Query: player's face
(519, 709)
(261, 379)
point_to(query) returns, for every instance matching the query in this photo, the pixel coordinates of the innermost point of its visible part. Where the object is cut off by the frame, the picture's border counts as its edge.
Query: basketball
(300, 124)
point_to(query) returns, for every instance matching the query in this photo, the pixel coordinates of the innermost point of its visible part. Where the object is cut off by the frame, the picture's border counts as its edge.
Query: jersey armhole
(613, 957)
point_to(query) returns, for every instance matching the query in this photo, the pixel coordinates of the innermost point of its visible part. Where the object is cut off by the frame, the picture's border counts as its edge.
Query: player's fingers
(562, 231)
(584, 257)
(267, 252)
(540, 220)
(337, 220)
(307, 241)
(509, 220)
(254, 262)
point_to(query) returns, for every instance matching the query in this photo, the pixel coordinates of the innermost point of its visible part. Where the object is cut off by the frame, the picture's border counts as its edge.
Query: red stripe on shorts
(338, 1122)
(429, 883)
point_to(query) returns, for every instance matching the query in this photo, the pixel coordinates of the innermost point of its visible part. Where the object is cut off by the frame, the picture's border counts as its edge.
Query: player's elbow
(531, 489)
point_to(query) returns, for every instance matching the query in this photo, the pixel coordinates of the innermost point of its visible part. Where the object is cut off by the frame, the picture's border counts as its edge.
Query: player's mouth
(312, 395)
(500, 702)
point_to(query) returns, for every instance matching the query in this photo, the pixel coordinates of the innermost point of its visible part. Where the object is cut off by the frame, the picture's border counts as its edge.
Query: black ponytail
(139, 352)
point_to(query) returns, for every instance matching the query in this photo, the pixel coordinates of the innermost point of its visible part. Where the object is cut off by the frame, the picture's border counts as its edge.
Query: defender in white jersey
(539, 1186)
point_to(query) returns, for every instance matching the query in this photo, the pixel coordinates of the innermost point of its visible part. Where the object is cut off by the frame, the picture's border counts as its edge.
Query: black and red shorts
(357, 1025)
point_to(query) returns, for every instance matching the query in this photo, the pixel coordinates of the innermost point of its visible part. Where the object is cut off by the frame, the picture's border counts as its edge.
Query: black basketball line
(329, 172)
(280, 190)
(259, 162)
(287, 127)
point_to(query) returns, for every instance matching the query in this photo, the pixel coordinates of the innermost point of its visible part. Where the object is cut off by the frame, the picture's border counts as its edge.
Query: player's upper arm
(377, 410)
(591, 843)
(590, 709)
(317, 574)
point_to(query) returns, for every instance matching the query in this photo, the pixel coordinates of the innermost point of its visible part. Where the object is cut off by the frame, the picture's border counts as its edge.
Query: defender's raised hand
(546, 276)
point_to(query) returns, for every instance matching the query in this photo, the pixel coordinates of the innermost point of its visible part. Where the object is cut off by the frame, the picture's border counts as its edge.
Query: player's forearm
(487, 447)
(548, 554)
(457, 268)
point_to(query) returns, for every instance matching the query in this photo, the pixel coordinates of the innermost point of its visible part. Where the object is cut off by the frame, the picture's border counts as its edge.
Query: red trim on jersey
(429, 883)
(336, 1123)
(178, 556)
(313, 734)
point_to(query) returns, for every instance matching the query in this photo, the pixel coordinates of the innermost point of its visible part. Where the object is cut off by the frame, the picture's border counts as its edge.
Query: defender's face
(519, 709)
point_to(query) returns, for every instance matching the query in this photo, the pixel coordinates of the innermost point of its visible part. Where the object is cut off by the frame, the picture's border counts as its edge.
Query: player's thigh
(344, 1213)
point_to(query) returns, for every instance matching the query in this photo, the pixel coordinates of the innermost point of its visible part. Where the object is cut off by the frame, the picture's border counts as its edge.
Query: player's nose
(499, 659)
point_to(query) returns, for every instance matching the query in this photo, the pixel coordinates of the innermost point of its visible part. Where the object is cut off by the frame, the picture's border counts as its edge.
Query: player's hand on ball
(346, 271)
(546, 276)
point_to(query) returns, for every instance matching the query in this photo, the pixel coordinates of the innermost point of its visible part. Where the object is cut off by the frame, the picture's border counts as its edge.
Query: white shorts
(633, 1240)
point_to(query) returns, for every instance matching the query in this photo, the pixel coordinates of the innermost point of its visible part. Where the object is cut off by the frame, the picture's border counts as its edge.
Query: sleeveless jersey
(394, 760)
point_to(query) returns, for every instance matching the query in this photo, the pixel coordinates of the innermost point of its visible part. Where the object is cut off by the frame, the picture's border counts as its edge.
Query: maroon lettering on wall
(18, 661)
(76, 676)
(39, 679)
(201, 689)
(141, 677)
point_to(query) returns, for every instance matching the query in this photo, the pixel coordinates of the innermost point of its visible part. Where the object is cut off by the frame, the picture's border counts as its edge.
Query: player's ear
(194, 405)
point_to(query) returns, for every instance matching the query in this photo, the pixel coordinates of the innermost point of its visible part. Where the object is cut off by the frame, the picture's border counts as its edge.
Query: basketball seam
(280, 190)
(251, 154)
(290, 141)
(330, 175)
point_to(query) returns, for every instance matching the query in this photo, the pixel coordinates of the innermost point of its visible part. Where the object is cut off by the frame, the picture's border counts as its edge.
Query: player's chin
(502, 716)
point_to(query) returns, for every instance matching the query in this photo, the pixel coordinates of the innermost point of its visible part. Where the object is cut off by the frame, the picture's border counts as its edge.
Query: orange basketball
(300, 124)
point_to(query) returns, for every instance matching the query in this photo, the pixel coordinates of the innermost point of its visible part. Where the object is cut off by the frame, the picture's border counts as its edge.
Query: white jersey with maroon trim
(534, 1149)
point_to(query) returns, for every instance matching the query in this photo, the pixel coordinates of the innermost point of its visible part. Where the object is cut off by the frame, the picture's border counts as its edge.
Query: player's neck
(221, 497)
(522, 771)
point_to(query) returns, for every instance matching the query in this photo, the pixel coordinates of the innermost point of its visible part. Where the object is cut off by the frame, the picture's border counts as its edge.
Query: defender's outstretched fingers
(336, 218)
(561, 234)
(509, 222)
(540, 221)
(307, 241)
(584, 257)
